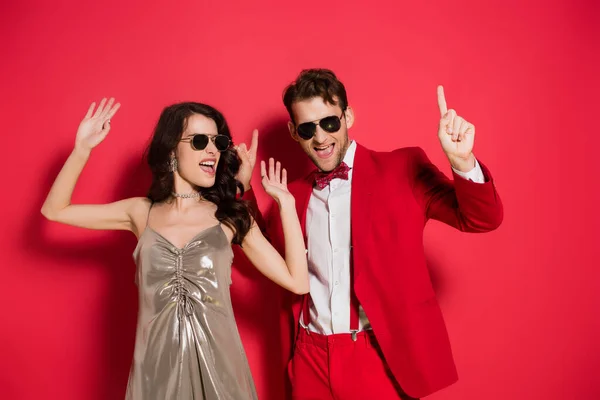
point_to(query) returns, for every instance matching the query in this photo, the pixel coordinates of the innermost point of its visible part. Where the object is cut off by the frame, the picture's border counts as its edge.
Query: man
(371, 327)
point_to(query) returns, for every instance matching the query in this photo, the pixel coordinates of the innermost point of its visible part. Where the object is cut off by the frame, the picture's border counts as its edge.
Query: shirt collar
(349, 157)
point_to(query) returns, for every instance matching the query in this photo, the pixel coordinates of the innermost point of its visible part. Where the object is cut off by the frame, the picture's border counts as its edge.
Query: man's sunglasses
(329, 124)
(199, 141)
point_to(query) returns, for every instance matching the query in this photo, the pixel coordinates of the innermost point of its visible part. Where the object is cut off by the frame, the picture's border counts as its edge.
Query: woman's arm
(92, 130)
(291, 273)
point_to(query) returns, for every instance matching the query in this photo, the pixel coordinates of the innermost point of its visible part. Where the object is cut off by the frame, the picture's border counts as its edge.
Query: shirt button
(337, 283)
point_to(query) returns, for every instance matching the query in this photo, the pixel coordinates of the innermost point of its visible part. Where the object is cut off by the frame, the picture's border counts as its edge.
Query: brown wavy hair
(315, 83)
(231, 211)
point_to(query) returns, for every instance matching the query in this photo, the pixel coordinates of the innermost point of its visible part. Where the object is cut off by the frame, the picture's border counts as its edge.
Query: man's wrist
(463, 164)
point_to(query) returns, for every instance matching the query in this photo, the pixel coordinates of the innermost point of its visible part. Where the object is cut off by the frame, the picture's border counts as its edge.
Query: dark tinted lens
(306, 130)
(330, 124)
(199, 142)
(221, 142)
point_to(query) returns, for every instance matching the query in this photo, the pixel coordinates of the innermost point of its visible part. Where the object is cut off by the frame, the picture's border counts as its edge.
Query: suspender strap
(353, 299)
(306, 309)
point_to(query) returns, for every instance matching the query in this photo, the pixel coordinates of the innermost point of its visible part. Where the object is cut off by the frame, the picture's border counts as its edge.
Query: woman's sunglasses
(199, 141)
(329, 124)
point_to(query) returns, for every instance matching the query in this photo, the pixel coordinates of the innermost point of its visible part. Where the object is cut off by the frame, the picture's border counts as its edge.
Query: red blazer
(393, 196)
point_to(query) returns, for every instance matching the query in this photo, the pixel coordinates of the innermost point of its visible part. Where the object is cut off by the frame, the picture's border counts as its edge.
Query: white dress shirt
(328, 221)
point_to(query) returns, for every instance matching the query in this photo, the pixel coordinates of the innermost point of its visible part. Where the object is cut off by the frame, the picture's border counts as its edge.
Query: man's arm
(469, 202)
(461, 203)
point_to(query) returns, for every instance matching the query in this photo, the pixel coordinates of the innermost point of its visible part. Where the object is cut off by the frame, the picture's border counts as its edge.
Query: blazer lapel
(301, 192)
(361, 202)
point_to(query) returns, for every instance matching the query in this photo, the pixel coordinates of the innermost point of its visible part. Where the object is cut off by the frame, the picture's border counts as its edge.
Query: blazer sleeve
(461, 203)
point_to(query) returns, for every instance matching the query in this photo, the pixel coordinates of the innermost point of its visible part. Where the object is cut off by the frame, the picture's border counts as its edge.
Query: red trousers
(335, 367)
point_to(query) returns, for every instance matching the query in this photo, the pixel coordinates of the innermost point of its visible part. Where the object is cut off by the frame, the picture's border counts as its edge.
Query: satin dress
(187, 342)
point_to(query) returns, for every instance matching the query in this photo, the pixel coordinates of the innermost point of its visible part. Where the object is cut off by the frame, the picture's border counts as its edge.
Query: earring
(173, 164)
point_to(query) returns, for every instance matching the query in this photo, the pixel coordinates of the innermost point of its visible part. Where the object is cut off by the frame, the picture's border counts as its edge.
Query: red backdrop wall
(521, 303)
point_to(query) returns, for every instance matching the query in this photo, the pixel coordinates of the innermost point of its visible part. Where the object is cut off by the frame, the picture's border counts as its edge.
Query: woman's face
(198, 167)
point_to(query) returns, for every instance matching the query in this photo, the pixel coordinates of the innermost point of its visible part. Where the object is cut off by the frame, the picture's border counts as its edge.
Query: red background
(521, 303)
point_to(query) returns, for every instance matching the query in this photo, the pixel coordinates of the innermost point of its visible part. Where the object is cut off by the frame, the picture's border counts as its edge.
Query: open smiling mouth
(208, 167)
(324, 151)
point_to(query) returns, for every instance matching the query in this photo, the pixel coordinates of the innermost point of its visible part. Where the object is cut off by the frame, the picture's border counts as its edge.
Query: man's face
(325, 149)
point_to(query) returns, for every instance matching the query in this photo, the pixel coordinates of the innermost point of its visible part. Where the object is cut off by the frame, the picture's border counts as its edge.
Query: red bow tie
(322, 179)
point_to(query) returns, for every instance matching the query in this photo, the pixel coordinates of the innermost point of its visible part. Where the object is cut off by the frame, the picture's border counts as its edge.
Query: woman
(187, 343)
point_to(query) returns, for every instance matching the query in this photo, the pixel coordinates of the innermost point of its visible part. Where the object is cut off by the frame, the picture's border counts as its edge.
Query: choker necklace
(187, 195)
